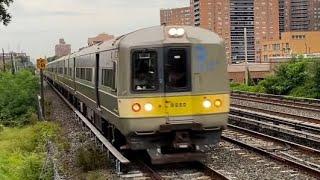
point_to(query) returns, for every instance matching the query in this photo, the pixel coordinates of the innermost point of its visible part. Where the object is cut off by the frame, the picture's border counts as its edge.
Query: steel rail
(289, 104)
(212, 173)
(300, 100)
(147, 169)
(297, 124)
(277, 113)
(264, 136)
(311, 137)
(310, 170)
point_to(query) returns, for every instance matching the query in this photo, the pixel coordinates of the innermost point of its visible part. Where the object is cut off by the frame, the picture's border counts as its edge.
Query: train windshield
(145, 71)
(176, 70)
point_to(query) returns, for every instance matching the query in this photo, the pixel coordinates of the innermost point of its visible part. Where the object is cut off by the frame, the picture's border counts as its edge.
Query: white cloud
(38, 24)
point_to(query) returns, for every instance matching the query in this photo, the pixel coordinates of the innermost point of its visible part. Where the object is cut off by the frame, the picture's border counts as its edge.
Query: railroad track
(286, 101)
(278, 113)
(138, 168)
(273, 128)
(295, 155)
(294, 119)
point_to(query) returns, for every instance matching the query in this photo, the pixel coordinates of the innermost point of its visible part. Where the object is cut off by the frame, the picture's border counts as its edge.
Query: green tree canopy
(5, 17)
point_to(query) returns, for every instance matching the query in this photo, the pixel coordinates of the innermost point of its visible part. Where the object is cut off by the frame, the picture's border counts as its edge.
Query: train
(163, 90)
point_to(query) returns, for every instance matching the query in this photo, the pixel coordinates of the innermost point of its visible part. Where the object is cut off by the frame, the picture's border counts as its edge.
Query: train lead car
(162, 89)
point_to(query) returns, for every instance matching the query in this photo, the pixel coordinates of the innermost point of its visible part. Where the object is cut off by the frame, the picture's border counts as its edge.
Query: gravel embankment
(71, 138)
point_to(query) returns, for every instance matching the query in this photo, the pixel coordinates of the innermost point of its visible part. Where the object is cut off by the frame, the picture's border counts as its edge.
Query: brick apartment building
(299, 15)
(100, 38)
(62, 48)
(177, 16)
(215, 16)
(228, 18)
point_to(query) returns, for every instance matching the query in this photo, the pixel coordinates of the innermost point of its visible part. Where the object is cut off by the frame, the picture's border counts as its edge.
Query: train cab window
(144, 71)
(176, 70)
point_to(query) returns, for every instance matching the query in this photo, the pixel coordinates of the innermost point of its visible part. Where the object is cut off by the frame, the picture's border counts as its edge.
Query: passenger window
(78, 72)
(144, 71)
(176, 70)
(82, 73)
(107, 78)
(88, 74)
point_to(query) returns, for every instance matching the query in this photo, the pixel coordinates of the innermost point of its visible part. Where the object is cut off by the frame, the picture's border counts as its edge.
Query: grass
(23, 150)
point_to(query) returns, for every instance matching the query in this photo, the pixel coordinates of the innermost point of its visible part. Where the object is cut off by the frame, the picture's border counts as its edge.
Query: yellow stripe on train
(174, 106)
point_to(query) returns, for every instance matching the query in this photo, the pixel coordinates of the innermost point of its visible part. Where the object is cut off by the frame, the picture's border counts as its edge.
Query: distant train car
(162, 89)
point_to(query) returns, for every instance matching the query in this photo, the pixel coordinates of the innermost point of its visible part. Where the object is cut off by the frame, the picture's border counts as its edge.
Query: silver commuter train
(162, 89)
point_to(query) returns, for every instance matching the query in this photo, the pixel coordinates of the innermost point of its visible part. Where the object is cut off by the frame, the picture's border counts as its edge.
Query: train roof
(157, 35)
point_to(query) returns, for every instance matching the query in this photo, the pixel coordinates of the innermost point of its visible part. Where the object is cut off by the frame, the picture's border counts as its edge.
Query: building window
(265, 47)
(265, 58)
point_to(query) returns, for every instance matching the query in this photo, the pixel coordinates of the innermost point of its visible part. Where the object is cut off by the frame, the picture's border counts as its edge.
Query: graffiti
(204, 64)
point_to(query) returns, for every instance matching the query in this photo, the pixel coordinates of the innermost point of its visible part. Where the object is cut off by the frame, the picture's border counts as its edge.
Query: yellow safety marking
(175, 106)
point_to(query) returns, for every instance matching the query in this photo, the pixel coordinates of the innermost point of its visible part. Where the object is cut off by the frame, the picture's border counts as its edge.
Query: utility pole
(246, 57)
(4, 64)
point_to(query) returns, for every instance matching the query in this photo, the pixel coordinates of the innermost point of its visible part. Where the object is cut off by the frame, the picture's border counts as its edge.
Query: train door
(74, 74)
(97, 70)
(177, 83)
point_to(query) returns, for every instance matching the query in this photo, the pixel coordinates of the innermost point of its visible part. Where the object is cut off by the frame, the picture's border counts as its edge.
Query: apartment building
(176, 16)
(290, 44)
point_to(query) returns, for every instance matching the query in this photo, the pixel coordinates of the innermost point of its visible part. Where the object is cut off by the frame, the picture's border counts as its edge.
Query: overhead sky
(37, 25)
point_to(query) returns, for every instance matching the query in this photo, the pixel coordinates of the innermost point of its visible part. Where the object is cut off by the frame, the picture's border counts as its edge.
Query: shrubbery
(23, 151)
(299, 77)
(17, 97)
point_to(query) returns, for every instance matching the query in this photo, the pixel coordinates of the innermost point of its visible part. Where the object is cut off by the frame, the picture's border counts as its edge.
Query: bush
(89, 158)
(243, 87)
(287, 77)
(17, 97)
(23, 151)
(300, 77)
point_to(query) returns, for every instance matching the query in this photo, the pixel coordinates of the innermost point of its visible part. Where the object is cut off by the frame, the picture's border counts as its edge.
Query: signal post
(41, 65)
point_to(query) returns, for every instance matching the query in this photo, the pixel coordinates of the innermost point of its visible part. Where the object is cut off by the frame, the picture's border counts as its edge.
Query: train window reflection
(145, 71)
(176, 70)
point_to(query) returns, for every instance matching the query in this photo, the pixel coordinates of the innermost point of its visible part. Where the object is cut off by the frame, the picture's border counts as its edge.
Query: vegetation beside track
(23, 139)
(299, 77)
(18, 98)
(23, 151)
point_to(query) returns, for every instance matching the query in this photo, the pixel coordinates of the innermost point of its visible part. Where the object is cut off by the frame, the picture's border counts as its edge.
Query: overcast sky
(38, 24)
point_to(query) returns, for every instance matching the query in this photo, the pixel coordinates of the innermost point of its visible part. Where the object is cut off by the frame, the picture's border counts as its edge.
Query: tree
(5, 17)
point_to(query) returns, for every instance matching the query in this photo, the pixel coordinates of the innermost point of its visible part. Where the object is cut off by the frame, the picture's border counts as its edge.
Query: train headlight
(136, 107)
(176, 32)
(207, 104)
(180, 32)
(218, 103)
(148, 107)
(172, 32)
